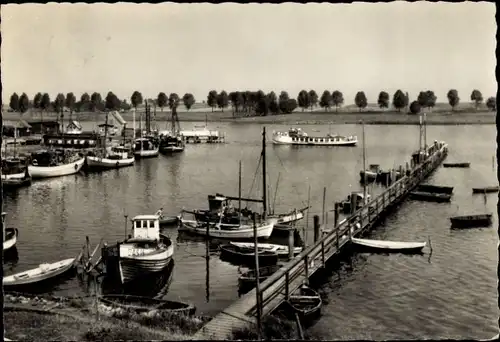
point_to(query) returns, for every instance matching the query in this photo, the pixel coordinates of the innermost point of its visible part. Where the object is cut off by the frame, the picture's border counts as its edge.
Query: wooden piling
(257, 282)
(291, 243)
(316, 228)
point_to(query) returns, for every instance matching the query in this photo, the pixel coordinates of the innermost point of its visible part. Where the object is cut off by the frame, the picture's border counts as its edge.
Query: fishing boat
(295, 136)
(430, 197)
(247, 280)
(485, 190)
(9, 235)
(145, 148)
(172, 141)
(246, 256)
(55, 163)
(281, 250)
(306, 303)
(15, 173)
(112, 158)
(435, 189)
(357, 197)
(390, 246)
(145, 304)
(44, 272)
(471, 221)
(462, 164)
(146, 251)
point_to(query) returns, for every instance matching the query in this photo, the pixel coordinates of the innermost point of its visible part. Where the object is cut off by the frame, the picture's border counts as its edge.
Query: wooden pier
(276, 289)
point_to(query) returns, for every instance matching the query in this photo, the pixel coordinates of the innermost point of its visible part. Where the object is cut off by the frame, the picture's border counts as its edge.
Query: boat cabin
(74, 127)
(145, 227)
(120, 151)
(217, 203)
(144, 144)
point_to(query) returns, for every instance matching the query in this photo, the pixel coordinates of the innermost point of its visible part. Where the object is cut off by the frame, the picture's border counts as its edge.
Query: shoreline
(296, 118)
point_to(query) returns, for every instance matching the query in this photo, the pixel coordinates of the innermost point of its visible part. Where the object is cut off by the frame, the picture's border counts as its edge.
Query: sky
(60, 48)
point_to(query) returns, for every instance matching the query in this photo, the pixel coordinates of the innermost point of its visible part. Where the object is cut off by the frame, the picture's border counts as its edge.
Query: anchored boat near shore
(55, 163)
(295, 136)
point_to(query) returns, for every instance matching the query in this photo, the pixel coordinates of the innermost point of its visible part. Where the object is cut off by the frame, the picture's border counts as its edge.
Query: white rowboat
(390, 245)
(42, 272)
(279, 249)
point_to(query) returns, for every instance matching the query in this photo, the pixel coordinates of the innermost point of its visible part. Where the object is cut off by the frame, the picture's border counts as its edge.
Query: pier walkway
(276, 289)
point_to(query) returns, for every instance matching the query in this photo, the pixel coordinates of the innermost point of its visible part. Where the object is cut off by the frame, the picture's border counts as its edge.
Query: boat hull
(171, 149)
(311, 141)
(37, 275)
(144, 304)
(486, 190)
(389, 246)
(38, 172)
(146, 154)
(463, 165)
(11, 235)
(107, 163)
(214, 230)
(471, 221)
(430, 197)
(246, 256)
(15, 183)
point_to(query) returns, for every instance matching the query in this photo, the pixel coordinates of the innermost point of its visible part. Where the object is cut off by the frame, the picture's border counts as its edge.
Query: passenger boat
(471, 221)
(306, 303)
(146, 251)
(15, 173)
(281, 250)
(485, 190)
(144, 304)
(44, 272)
(462, 165)
(390, 246)
(246, 256)
(9, 235)
(55, 163)
(295, 136)
(435, 189)
(430, 197)
(247, 280)
(145, 148)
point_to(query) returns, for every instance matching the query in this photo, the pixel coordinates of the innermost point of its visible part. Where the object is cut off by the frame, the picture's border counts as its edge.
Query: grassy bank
(81, 319)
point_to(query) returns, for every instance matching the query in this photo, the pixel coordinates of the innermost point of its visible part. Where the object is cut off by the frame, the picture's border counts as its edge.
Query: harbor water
(451, 293)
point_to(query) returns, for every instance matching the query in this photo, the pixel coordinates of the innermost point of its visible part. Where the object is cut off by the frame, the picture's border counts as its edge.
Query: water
(382, 297)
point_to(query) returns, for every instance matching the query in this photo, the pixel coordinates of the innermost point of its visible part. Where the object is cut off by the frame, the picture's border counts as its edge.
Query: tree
(45, 103)
(337, 99)
(85, 98)
(173, 101)
(304, 99)
(14, 102)
(272, 102)
(288, 106)
(95, 101)
(415, 107)
(422, 99)
(491, 103)
(112, 102)
(188, 100)
(399, 100)
(453, 98)
(162, 100)
(222, 100)
(326, 100)
(24, 103)
(383, 99)
(59, 103)
(262, 105)
(477, 97)
(37, 100)
(237, 100)
(360, 100)
(284, 96)
(70, 103)
(431, 99)
(313, 99)
(212, 99)
(136, 99)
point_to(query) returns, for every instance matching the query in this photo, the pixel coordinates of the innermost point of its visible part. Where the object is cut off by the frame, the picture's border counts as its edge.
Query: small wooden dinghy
(390, 246)
(281, 250)
(306, 303)
(435, 189)
(471, 221)
(168, 220)
(246, 256)
(144, 304)
(246, 281)
(463, 164)
(485, 190)
(41, 273)
(430, 197)
(10, 238)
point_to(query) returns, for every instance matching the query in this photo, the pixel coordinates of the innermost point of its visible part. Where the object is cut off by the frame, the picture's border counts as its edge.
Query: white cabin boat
(116, 157)
(55, 163)
(9, 235)
(202, 134)
(295, 136)
(145, 148)
(279, 249)
(74, 127)
(146, 251)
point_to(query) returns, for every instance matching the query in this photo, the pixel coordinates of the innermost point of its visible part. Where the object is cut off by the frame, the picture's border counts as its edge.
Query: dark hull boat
(246, 256)
(485, 190)
(144, 304)
(435, 189)
(471, 221)
(430, 197)
(168, 221)
(10, 238)
(247, 280)
(306, 303)
(462, 165)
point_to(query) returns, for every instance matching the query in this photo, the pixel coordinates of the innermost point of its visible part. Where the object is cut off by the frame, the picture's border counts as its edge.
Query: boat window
(59, 141)
(82, 141)
(138, 224)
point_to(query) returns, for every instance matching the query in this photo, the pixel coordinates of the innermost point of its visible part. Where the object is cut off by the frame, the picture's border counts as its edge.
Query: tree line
(251, 102)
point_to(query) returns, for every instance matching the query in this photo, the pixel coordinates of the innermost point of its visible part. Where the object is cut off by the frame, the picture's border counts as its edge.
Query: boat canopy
(146, 227)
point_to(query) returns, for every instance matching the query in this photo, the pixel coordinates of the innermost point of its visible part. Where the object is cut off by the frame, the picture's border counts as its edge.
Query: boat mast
(106, 131)
(420, 135)
(239, 194)
(364, 163)
(425, 132)
(264, 185)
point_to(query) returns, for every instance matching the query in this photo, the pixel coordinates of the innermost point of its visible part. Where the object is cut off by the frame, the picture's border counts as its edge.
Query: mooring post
(316, 228)
(354, 200)
(336, 215)
(291, 243)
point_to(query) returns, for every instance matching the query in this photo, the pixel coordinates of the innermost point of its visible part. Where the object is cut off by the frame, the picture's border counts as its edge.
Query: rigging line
(255, 176)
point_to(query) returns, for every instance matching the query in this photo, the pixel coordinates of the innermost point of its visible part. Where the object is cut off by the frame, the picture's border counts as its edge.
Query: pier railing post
(306, 267)
(316, 228)
(291, 243)
(336, 215)
(323, 253)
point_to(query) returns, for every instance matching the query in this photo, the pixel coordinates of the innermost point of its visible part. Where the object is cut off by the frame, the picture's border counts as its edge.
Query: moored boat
(281, 250)
(435, 188)
(15, 173)
(485, 190)
(246, 256)
(390, 246)
(471, 221)
(144, 304)
(9, 235)
(371, 174)
(247, 280)
(116, 157)
(459, 164)
(295, 136)
(306, 302)
(356, 198)
(430, 197)
(145, 148)
(55, 163)
(168, 220)
(172, 141)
